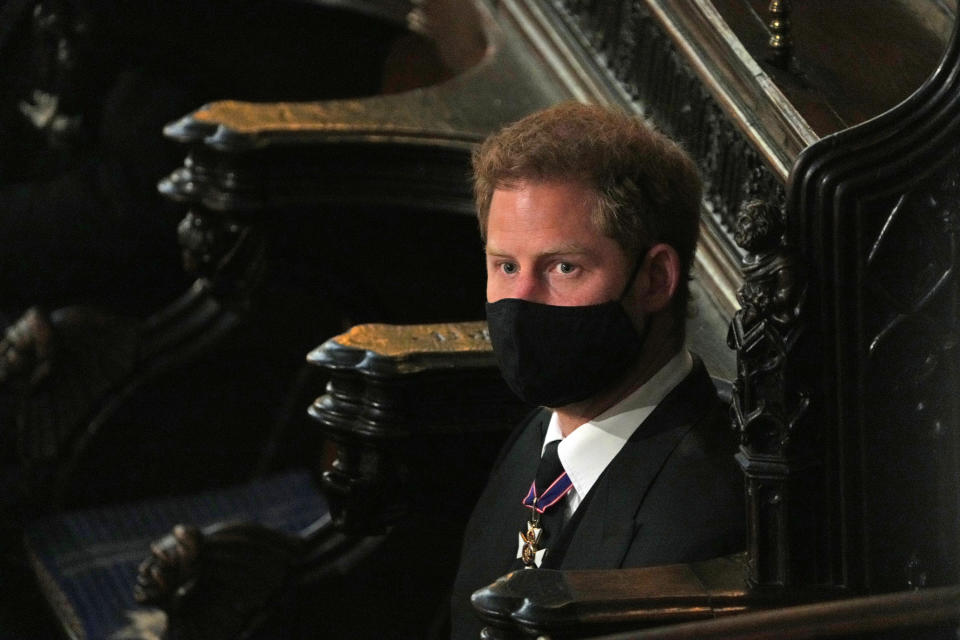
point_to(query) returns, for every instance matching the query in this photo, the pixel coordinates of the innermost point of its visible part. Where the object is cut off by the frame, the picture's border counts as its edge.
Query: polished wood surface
(573, 603)
(932, 613)
(850, 61)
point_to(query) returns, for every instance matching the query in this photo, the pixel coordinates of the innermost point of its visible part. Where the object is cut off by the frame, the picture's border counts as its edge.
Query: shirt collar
(589, 448)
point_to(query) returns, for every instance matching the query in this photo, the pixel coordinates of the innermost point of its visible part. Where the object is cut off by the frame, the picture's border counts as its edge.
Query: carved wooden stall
(303, 219)
(416, 412)
(845, 394)
(85, 225)
(821, 449)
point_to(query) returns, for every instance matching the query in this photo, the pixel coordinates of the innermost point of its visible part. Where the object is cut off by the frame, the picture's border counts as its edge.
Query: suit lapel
(491, 540)
(607, 520)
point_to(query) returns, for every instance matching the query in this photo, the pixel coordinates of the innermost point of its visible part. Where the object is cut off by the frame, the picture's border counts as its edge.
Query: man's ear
(658, 278)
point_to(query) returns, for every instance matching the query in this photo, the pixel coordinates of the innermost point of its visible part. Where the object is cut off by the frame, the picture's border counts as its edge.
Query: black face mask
(554, 356)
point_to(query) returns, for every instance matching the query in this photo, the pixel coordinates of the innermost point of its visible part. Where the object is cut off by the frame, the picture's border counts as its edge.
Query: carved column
(223, 249)
(776, 456)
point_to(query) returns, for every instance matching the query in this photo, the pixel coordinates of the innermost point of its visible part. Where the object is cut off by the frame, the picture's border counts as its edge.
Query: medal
(529, 551)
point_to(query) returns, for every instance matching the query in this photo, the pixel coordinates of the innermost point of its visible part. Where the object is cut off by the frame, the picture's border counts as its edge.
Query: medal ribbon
(560, 487)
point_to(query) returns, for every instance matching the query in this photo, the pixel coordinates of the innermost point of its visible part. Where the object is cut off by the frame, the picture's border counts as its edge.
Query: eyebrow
(563, 249)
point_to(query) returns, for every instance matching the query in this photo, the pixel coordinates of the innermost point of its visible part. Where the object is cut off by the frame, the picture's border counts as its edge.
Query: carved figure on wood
(763, 330)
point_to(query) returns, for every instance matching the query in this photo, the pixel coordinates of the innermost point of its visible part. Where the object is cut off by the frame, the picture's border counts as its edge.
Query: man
(590, 220)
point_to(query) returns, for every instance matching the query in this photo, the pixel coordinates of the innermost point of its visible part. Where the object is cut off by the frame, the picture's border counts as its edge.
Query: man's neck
(660, 347)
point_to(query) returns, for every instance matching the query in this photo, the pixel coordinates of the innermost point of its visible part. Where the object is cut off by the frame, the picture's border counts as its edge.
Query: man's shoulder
(693, 403)
(711, 431)
(695, 507)
(708, 442)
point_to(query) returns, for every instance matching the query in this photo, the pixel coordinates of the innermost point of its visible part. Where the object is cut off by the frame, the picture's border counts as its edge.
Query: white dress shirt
(589, 448)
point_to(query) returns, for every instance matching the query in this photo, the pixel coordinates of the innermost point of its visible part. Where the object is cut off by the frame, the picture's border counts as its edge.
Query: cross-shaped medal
(528, 550)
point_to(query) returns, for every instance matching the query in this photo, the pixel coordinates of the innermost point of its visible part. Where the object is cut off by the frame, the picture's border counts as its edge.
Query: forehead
(535, 205)
(545, 217)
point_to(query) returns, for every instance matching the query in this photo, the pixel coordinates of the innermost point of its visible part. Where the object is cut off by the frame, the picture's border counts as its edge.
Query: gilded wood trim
(408, 340)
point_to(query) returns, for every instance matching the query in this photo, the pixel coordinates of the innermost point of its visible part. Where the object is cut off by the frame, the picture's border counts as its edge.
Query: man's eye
(566, 268)
(509, 268)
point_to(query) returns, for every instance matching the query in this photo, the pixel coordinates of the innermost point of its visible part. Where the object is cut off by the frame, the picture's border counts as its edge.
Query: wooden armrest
(918, 613)
(247, 544)
(212, 582)
(457, 112)
(587, 603)
(578, 603)
(410, 147)
(417, 413)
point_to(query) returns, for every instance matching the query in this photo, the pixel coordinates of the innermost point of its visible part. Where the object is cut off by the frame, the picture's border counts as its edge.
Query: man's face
(543, 247)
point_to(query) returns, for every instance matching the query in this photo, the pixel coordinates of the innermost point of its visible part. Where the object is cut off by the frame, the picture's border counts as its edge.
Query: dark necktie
(544, 499)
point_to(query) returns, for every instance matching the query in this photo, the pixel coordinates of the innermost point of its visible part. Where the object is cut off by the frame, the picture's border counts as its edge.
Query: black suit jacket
(674, 493)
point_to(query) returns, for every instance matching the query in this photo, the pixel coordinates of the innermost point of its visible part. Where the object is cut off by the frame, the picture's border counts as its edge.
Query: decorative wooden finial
(781, 39)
